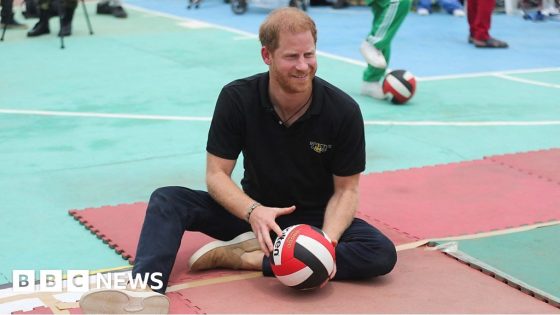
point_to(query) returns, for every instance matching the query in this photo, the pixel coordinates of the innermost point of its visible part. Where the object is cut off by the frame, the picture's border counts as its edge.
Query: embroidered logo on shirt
(319, 147)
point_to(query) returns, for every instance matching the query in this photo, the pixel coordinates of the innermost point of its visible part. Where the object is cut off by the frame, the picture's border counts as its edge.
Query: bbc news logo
(80, 281)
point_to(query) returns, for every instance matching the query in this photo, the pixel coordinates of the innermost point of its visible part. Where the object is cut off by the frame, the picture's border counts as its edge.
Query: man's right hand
(263, 220)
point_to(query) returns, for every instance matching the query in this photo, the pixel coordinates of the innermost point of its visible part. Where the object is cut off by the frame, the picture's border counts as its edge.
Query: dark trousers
(47, 5)
(362, 251)
(6, 12)
(479, 15)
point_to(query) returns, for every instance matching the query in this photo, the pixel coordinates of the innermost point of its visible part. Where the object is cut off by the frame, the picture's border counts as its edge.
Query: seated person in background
(424, 7)
(113, 7)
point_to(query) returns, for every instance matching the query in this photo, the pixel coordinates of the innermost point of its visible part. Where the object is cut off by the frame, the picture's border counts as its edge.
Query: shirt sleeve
(226, 134)
(350, 146)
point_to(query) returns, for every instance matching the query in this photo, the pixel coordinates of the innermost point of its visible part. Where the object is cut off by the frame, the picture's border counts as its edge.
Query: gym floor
(119, 113)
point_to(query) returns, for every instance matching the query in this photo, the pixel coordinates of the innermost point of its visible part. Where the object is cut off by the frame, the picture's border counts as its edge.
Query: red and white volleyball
(303, 257)
(399, 86)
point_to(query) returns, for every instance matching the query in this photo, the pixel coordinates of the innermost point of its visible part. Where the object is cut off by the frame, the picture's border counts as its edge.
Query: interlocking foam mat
(465, 198)
(408, 205)
(107, 224)
(544, 164)
(530, 259)
(422, 282)
(179, 304)
(37, 310)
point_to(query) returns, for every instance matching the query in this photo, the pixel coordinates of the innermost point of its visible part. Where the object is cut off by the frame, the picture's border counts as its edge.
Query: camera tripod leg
(61, 35)
(87, 17)
(3, 32)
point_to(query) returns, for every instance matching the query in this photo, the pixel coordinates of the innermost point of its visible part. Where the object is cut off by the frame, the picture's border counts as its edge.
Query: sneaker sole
(244, 240)
(107, 301)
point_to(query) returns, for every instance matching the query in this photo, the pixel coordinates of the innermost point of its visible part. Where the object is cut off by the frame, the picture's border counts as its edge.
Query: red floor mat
(544, 164)
(398, 237)
(460, 198)
(179, 305)
(422, 282)
(107, 224)
(408, 205)
(37, 310)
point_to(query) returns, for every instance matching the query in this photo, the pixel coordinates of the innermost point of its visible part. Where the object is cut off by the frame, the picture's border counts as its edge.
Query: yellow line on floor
(524, 228)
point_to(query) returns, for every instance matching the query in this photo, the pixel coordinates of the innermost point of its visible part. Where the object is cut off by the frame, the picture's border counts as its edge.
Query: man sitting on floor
(303, 145)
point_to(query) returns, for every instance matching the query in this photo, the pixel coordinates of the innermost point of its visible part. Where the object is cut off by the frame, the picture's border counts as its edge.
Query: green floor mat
(530, 259)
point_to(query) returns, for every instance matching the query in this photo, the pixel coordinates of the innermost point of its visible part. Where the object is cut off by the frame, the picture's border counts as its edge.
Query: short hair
(285, 19)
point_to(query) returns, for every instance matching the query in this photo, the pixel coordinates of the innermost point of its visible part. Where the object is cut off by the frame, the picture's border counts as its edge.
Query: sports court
(465, 179)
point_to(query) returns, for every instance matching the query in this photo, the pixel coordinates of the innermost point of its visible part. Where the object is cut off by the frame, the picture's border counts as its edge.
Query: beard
(290, 82)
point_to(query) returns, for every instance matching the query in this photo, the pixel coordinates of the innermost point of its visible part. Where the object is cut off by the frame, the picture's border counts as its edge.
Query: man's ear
(266, 55)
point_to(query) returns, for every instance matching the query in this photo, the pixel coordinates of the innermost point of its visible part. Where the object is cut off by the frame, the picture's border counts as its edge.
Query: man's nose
(302, 64)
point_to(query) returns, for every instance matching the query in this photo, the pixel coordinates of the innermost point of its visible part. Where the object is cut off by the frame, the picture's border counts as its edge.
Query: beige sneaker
(110, 301)
(224, 254)
(373, 56)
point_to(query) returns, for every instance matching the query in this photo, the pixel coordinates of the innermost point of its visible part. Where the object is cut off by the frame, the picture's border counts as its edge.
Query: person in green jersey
(388, 16)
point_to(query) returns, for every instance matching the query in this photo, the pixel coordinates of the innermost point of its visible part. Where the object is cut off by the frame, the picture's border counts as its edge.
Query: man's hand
(334, 244)
(333, 273)
(263, 220)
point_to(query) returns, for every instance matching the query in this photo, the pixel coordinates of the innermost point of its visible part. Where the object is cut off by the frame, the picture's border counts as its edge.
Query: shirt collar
(316, 102)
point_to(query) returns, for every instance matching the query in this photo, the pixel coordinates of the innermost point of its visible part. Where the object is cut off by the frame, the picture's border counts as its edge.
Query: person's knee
(381, 262)
(162, 194)
(387, 261)
(365, 261)
(163, 200)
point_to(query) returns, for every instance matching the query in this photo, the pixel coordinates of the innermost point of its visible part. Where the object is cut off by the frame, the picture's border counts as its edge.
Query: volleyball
(303, 257)
(399, 86)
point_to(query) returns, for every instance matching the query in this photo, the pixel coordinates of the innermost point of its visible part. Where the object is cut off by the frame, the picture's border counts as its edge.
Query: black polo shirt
(288, 166)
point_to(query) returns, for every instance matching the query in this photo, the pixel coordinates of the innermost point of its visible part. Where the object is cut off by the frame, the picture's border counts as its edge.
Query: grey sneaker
(110, 301)
(118, 12)
(489, 43)
(224, 254)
